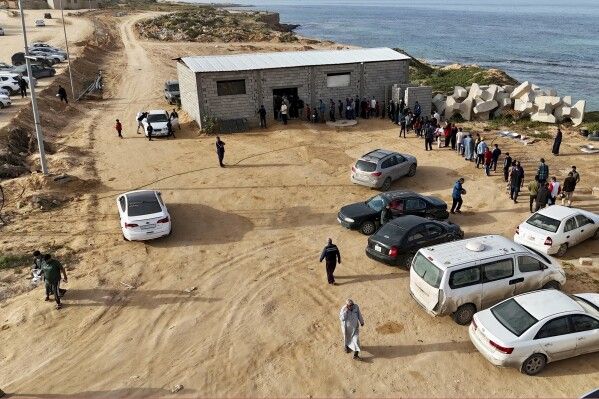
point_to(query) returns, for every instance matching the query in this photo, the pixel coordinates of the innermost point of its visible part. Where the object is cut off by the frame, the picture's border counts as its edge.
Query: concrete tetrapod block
(525, 107)
(483, 116)
(451, 106)
(525, 87)
(489, 93)
(577, 112)
(505, 102)
(475, 91)
(550, 101)
(508, 88)
(485, 106)
(551, 92)
(465, 108)
(543, 117)
(567, 100)
(561, 112)
(459, 93)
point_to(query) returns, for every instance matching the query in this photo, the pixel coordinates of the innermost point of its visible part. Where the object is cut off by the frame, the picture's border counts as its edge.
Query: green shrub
(8, 261)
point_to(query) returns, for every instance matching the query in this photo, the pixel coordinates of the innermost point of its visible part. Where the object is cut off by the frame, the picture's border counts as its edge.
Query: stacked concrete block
(422, 94)
(482, 101)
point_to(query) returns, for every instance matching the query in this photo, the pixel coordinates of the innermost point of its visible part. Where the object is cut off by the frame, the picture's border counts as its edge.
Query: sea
(551, 43)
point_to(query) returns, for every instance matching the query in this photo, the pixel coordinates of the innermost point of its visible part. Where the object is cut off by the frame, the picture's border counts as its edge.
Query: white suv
(9, 81)
(462, 277)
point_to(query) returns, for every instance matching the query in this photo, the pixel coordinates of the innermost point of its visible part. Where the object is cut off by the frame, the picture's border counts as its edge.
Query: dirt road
(261, 320)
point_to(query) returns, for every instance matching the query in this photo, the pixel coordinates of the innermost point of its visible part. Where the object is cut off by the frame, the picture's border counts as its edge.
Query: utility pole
(66, 43)
(36, 116)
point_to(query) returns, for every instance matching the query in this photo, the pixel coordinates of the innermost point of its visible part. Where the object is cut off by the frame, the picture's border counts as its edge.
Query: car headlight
(349, 220)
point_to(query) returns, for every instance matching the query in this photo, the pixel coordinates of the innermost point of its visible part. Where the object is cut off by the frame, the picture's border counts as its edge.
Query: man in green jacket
(52, 269)
(533, 190)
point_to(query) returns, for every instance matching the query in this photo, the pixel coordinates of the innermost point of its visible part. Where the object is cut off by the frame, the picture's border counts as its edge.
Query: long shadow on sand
(117, 393)
(362, 278)
(194, 224)
(395, 351)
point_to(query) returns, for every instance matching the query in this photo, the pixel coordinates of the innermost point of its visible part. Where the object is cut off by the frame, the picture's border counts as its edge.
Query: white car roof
(139, 192)
(546, 303)
(459, 252)
(156, 112)
(558, 212)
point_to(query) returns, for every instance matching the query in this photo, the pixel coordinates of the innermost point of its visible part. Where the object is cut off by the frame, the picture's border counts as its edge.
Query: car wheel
(1, 105)
(596, 235)
(407, 260)
(412, 170)
(368, 228)
(552, 285)
(464, 314)
(386, 184)
(534, 364)
(125, 238)
(562, 249)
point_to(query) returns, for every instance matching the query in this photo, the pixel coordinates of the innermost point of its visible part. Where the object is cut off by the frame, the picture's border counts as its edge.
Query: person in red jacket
(488, 157)
(447, 133)
(119, 128)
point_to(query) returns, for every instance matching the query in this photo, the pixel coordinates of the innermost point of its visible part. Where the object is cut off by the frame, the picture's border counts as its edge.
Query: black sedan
(366, 216)
(38, 71)
(396, 242)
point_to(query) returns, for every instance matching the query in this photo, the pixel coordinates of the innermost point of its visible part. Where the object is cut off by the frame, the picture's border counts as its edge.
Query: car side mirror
(544, 266)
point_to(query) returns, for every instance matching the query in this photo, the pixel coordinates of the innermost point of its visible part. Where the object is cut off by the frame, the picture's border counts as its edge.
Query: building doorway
(289, 93)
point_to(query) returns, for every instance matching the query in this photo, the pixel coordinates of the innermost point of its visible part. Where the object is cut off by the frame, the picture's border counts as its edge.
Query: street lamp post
(66, 43)
(36, 116)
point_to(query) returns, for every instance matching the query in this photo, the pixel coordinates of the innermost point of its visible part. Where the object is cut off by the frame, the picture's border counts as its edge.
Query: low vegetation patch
(208, 24)
(10, 261)
(524, 123)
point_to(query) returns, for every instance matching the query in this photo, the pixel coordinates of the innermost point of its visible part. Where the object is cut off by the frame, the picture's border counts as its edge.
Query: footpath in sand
(262, 321)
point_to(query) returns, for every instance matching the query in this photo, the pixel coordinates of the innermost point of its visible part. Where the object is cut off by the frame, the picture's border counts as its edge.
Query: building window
(230, 87)
(338, 79)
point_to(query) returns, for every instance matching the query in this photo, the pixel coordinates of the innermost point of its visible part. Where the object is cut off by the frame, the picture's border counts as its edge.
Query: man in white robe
(351, 320)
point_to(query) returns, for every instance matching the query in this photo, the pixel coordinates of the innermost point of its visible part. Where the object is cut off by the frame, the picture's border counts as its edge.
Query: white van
(463, 277)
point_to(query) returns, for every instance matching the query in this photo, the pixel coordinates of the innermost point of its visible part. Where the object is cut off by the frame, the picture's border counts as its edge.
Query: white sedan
(143, 215)
(530, 330)
(158, 119)
(554, 229)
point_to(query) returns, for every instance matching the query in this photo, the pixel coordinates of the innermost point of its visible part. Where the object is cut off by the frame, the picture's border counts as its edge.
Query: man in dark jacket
(507, 164)
(23, 87)
(568, 189)
(332, 256)
(62, 94)
(543, 196)
(262, 113)
(429, 136)
(220, 151)
(495, 157)
(456, 196)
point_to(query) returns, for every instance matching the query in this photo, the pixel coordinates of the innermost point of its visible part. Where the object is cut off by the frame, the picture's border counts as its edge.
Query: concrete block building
(73, 4)
(229, 87)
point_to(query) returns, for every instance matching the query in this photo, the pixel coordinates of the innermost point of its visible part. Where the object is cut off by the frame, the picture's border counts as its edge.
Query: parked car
(40, 23)
(530, 330)
(397, 241)
(554, 229)
(38, 71)
(57, 56)
(4, 101)
(4, 92)
(366, 216)
(171, 92)
(594, 394)
(158, 119)
(380, 168)
(4, 66)
(459, 278)
(42, 59)
(18, 59)
(143, 215)
(9, 81)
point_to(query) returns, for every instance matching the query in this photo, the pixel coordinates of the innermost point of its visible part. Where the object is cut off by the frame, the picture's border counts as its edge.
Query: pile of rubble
(483, 102)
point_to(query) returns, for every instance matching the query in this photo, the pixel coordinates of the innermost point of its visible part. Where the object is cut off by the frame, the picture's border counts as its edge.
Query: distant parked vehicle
(380, 168)
(18, 59)
(44, 58)
(458, 278)
(4, 101)
(530, 330)
(57, 54)
(9, 81)
(4, 66)
(554, 229)
(397, 241)
(37, 71)
(4, 92)
(158, 118)
(40, 23)
(143, 215)
(171, 92)
(365, 216)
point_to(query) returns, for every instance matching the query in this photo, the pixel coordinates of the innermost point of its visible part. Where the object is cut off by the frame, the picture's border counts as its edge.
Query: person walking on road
(533, 190)
(284, 113)
(429, 136)
(23, 87)
(220, 151)
(386, 214)
(456, 196)
(507, 164)
(351, 320)
(52, 269)
(119, 128)
(62, 94)
(568, 189)
(333, 256)
(262, 113)
(557, 142)
(543, 172)
(543, 196)
(150, 130)
(516, 181)
(496, 153)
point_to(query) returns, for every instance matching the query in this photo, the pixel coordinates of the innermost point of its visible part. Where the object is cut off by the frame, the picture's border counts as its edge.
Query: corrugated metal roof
(289, 59)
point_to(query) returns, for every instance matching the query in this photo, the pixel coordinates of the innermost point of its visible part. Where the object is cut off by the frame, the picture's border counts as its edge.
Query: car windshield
(143, 204)
(513, 317)
(586, 305)
(544, 222)
(427, 271)
(157, 118)
(365, 166)
(173, 87)
(376, 203)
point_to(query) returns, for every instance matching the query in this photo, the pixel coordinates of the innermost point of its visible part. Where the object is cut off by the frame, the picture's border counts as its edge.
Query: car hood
(158, 125)
(359, 209)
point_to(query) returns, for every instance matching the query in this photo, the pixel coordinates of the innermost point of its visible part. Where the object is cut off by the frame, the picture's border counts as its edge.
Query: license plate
(531, 238)
(377, 248)
(148, 227)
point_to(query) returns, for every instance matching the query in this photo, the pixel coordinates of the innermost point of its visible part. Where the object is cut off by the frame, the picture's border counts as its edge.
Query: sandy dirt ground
(262, 320)
(78, 29)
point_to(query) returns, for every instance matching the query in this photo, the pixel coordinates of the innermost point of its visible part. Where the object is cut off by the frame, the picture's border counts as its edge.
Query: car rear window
(143, 204)
(173, 87)
(513, 317)
(427, 271)
(544, 222)
(366, 166)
